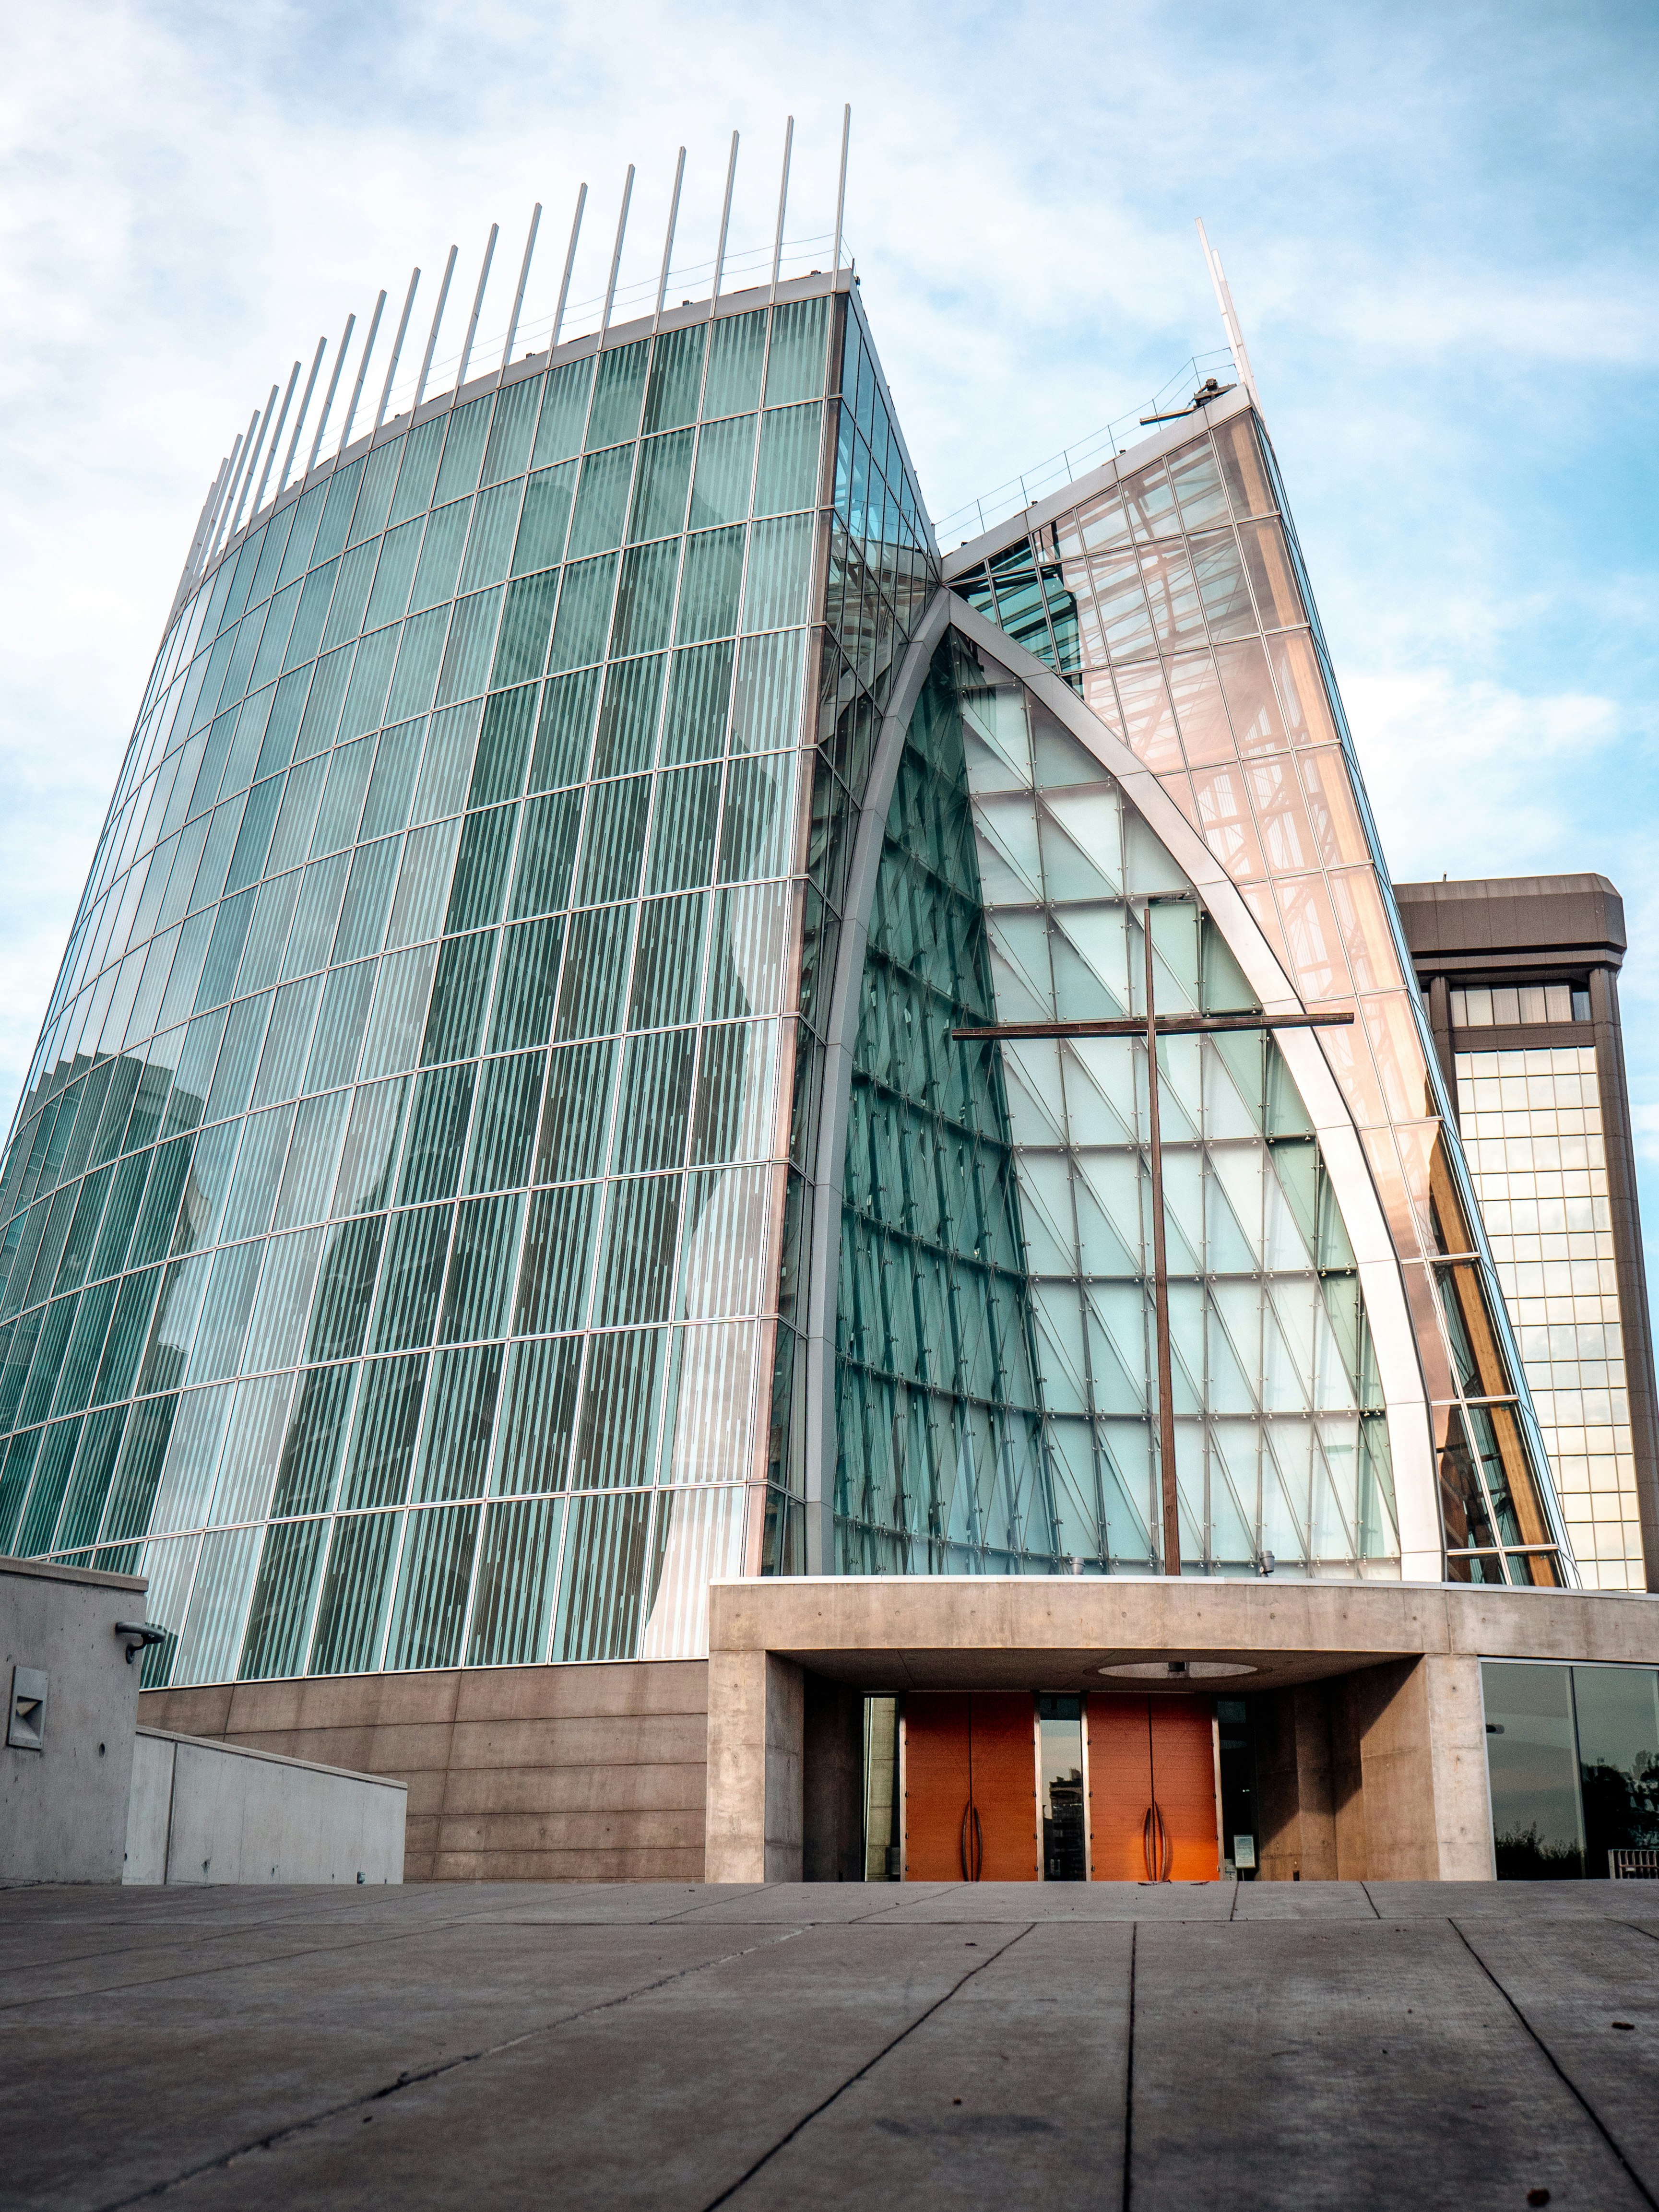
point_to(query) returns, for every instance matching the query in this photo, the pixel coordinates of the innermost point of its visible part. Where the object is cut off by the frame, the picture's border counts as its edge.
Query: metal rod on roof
(276, 439)
(264, 421)
(616, 257)
(477, 304)
(203, 522)
(328, 397)
(246, 443)
(210, 505)
(362, 371)
(783, 201)
(569, 264)
(840, 189)
(725, 224)
(432, 335)
(1224, 299)
(397, 349)
(524, 279)
(668, 239)
(220, 494)
(299, 419)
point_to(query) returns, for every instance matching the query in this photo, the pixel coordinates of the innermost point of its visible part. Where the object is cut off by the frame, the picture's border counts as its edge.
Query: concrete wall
(64, 1808)
(515, 1774)
(206, 1812)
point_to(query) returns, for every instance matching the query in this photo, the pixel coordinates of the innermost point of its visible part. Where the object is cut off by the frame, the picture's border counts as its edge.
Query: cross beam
(1152, 1026)
(1165, 1025)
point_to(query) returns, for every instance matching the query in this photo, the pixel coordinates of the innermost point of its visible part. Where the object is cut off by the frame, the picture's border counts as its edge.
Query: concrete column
(1296, 1783)
(1423, 1756)
(756, 1730)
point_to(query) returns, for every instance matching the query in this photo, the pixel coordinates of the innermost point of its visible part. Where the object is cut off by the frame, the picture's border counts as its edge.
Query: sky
(1438, 222)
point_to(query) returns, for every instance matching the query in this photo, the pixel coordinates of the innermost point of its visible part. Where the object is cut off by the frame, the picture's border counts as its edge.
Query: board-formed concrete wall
(568, 1773)
(63, 1806)
(205, 1813)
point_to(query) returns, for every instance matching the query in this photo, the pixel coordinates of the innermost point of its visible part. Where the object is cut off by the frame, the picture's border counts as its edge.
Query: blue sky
(1438, 222)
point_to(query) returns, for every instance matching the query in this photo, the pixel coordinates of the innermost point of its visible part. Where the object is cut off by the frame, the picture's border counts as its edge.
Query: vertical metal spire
(204, 523)
(668, 238)
(432, 335)
(783, 201)
(524, 279)
(1224, 299)
(299, 419)
(616, 257)
(217, 502)
(396, 349)
(245, 442)
(275, 440)
(256, 446)
(477, 304)
(725, 224)
(840, 189)
(333, 386)
(362, 371)
(569, 264)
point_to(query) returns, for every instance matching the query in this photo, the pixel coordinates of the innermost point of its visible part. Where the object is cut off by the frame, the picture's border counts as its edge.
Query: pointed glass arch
(994, 1374)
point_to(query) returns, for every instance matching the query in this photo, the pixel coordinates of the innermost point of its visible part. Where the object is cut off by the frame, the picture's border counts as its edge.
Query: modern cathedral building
(503, 1161)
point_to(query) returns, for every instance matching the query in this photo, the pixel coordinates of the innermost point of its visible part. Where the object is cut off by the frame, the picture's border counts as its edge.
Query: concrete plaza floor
(994, 2046)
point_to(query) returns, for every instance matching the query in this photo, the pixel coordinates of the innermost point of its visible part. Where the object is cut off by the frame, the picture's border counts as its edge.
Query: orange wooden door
(1005, 1781)
(936, 1787)
(970, 1800)
(1120, 1786)
(1151, 1757)
(1184, 1783)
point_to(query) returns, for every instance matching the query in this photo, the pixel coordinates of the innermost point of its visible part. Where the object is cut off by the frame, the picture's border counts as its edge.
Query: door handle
(1155, 1845)
(972, 1858)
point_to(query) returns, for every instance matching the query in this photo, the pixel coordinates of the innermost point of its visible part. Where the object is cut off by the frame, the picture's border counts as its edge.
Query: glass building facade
(496, 1159)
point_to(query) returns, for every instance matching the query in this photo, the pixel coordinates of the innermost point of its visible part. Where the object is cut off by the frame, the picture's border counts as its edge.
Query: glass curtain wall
(1175, 602)
(1531, 1123)
(996, 1398)
(390, 1266)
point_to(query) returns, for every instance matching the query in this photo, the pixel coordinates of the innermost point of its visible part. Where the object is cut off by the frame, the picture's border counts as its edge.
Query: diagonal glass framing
(1168, 591)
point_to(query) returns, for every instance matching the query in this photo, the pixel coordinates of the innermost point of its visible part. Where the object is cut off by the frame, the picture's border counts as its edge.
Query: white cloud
(1471, 776)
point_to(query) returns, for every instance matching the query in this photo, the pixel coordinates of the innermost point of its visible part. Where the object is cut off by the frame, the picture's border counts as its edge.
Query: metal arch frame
(1382, 1278)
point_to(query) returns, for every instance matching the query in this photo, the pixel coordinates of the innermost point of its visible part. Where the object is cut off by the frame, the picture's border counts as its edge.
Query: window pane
(455, 1451)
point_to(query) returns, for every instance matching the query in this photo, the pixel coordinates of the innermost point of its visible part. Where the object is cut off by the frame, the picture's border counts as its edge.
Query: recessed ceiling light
(1178, 1670)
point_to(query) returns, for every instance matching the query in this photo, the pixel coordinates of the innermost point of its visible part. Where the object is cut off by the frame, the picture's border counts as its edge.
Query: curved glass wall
(390, 1266)
(1172, 599)
(996, 1388)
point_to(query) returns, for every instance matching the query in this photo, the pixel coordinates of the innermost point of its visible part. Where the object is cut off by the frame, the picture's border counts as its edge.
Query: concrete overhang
(887, 1634)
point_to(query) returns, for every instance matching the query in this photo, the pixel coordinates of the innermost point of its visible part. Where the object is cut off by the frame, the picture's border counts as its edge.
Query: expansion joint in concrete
(1560, 2071)
(415, 2077)
(869, 2067)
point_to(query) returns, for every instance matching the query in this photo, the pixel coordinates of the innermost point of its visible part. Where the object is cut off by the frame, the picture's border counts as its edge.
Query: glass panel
(1532, 1760)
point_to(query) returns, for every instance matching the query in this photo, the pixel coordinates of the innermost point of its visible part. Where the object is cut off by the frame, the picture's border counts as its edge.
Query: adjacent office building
(499, 1161)
(1521, 981)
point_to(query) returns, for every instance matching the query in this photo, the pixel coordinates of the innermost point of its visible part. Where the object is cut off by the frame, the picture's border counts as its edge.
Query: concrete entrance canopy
(1372, 1762)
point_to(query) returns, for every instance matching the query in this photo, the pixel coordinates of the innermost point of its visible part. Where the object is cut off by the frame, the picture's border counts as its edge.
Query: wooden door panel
(935, 1785)
(1183, 1782)
(1004, 1753)
(1119, 1787)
